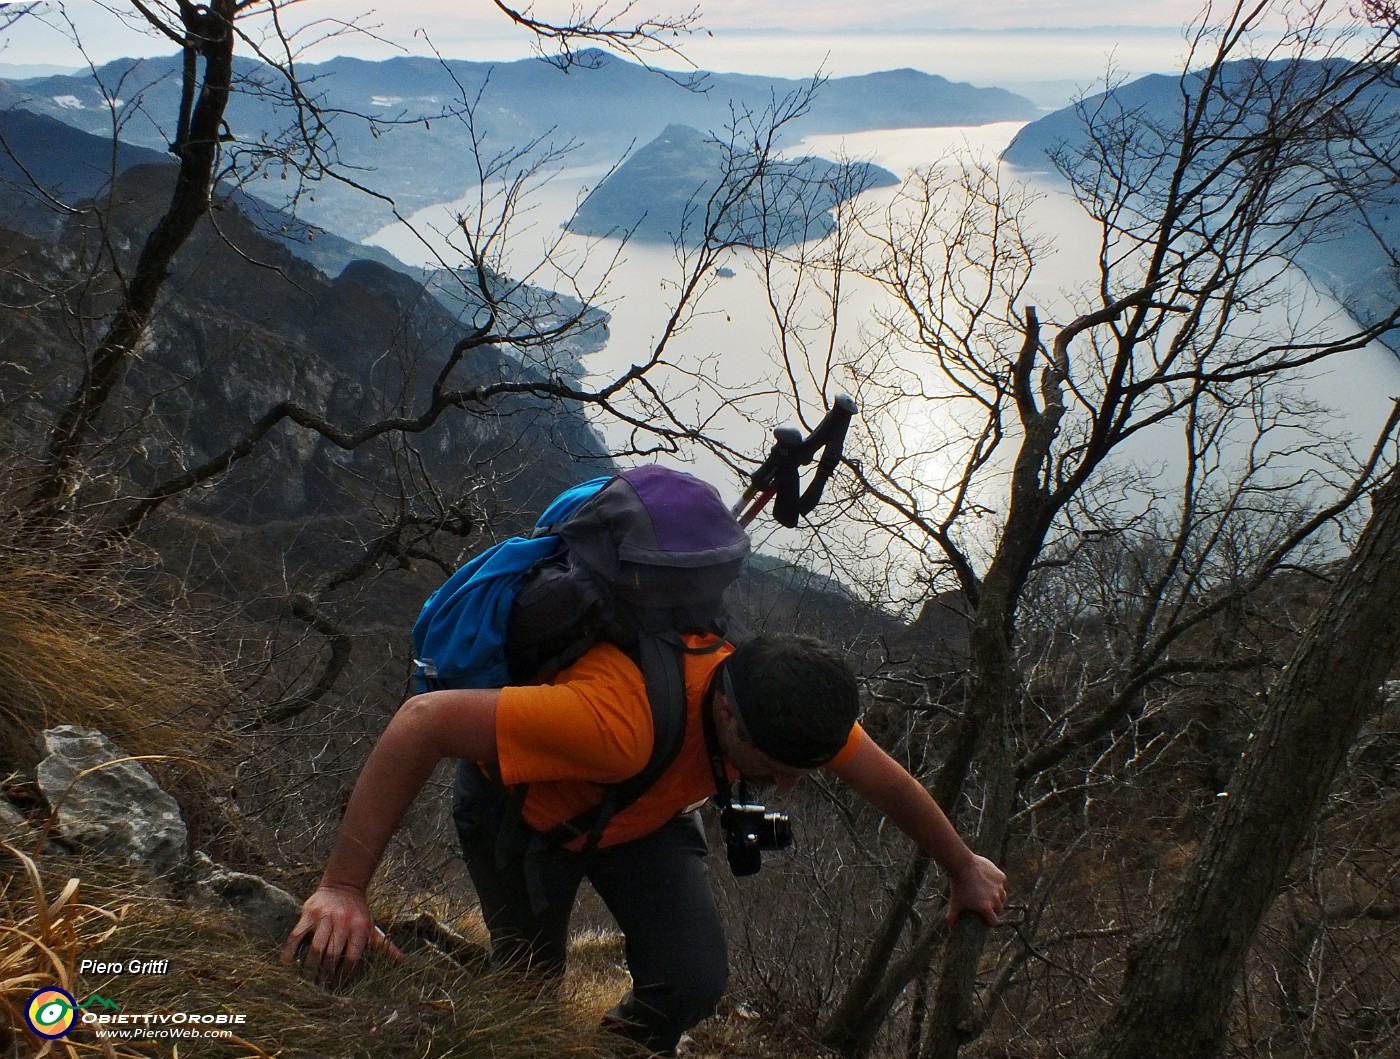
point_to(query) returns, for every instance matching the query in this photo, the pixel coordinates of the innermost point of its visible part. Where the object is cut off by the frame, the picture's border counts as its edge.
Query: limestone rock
(269, 909)
(12, 821)
(117, 810)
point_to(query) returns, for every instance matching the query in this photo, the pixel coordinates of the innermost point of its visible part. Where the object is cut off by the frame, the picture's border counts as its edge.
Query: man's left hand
(979, 887)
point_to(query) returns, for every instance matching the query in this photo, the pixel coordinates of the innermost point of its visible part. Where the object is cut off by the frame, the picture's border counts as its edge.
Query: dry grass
(83, 642)
(76, 650)
(40, 940)
(430, 1006)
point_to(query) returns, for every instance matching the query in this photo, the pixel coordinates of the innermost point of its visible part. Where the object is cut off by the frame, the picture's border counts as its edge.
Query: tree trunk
(996, 684)
(1180, 981)
(855, 1022)
(209, 35)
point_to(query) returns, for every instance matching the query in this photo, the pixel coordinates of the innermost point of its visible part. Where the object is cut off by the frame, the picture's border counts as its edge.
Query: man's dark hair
(795, 696)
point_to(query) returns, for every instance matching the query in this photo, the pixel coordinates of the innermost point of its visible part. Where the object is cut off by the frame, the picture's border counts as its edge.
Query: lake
(729, 333)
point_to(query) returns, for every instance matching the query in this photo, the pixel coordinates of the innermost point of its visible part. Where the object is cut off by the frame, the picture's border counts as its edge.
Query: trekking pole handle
(764, 483)
(778, 474)
(828, 438)
(842, 412)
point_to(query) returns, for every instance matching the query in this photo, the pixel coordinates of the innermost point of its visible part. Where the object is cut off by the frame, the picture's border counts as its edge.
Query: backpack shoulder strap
(662, 662)
(661, 659)
(663, 671)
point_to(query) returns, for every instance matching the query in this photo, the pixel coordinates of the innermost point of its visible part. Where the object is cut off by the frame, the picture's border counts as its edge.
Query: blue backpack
(635, 559)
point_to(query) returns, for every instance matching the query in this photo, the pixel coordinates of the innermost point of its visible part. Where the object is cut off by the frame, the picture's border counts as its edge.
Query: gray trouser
(658, 890)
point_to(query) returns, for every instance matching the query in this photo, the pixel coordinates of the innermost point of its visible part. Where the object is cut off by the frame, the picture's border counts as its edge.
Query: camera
(748, 831)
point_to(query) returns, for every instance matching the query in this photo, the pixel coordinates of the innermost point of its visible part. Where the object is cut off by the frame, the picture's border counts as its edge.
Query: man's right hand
(333, 933)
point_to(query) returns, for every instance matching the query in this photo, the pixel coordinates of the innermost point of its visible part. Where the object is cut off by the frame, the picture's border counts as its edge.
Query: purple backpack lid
(691, 524)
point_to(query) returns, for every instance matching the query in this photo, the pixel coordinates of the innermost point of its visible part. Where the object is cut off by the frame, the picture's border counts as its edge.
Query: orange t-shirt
(593, 726)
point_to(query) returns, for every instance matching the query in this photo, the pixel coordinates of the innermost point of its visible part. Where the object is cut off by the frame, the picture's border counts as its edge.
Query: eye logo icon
(50, 1013)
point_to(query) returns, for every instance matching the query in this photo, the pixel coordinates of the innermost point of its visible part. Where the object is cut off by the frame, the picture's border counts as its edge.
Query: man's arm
(978, 885)
(335, 925)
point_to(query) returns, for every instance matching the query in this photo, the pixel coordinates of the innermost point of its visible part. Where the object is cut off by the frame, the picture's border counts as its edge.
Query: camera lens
(748, 831)
(774, 832)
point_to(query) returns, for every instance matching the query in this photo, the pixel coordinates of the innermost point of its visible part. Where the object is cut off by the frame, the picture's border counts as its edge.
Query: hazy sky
(967, 40)
(463, 18)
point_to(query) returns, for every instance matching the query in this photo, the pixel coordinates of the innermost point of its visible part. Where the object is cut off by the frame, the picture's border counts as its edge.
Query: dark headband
(786, 744)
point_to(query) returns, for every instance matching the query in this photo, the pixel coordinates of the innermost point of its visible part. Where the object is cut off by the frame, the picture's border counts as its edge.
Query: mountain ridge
(1352, 260)
(410, 122)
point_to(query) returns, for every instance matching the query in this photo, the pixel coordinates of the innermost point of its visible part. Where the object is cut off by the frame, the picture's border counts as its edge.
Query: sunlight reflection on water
(731, 331)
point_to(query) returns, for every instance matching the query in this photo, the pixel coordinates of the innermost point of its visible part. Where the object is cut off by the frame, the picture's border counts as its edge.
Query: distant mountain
(245, 325)
(890, 99)
(40, 152)
(44, 157)
(1347, 261)
(44, 161)
(13, 70)
(426, 114)
(661, 193)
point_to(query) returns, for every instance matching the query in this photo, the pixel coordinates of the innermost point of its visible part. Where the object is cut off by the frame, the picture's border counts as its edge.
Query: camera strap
(723, 792)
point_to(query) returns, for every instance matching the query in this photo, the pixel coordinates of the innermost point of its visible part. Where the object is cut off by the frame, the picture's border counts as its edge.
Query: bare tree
(207, 151)
(206, 37)
(616, 28)
(1183, 975)
(1019, 442)
(123, 446)
(1020, 471)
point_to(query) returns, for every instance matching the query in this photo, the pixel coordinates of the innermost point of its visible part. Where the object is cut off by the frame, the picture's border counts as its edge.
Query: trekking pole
(778, 475)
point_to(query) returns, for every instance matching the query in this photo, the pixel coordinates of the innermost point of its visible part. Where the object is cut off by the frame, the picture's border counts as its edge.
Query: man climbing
(774, 709)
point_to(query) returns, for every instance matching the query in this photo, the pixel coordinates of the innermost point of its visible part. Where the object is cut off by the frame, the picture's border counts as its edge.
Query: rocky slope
(245, 325)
